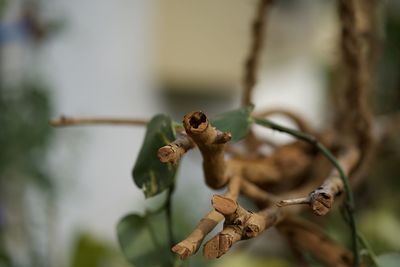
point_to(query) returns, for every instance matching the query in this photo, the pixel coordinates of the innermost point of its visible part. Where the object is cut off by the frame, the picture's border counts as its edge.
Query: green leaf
(389, 260)
(149, 173)
(237, 122)
(144, 241)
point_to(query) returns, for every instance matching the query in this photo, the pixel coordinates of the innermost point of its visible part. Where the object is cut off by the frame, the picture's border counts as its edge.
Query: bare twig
(71, 121)
(174, 151)
(240, 224)
(211, 143)
(251, 66)
(321, 199)
(191, 244)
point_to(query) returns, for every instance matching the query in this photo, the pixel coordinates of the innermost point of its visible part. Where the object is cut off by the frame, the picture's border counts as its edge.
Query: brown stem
(191, 244)
(287, 162)
(70, 121)
(239, 224)
(356, 119)
(262, 220)
(211, 143)
(321, 200)
(235, 217)
(173, 152)
(251, 66)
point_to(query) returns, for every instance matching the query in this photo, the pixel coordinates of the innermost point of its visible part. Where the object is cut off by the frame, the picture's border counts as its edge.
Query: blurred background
(62, 191)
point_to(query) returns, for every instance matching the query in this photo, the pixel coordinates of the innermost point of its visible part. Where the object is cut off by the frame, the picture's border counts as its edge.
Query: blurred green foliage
(91, 252)
(389, 260)
(3, 4)
(144, 240)
(388, 93)
(25, 133)
(24, 139)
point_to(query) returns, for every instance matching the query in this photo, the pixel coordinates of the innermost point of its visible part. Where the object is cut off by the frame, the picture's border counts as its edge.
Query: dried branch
(211, 143)
(240, 224)
(357, 117)
(191, 244)
(174, 151)
(221, 243)
(287, 162)
(251, 66)
(262, 220)
(264, 199)
(71, 121)
(321, 199)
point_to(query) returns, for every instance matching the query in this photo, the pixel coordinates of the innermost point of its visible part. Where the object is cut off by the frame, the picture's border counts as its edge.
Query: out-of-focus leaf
(25, 133)
(149, 173)
(144, 241)
(237, 122)
(381, 234)
(4, 259)
(389, 260)
(3, 4)
(89, 251)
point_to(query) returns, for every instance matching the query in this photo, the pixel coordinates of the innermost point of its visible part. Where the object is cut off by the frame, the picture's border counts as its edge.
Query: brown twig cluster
(292, 162)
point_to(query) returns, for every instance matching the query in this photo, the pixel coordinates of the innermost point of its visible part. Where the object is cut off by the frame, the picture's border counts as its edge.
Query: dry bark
(211, 143)
(174, 151)
(191, 244)
(240, 224)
